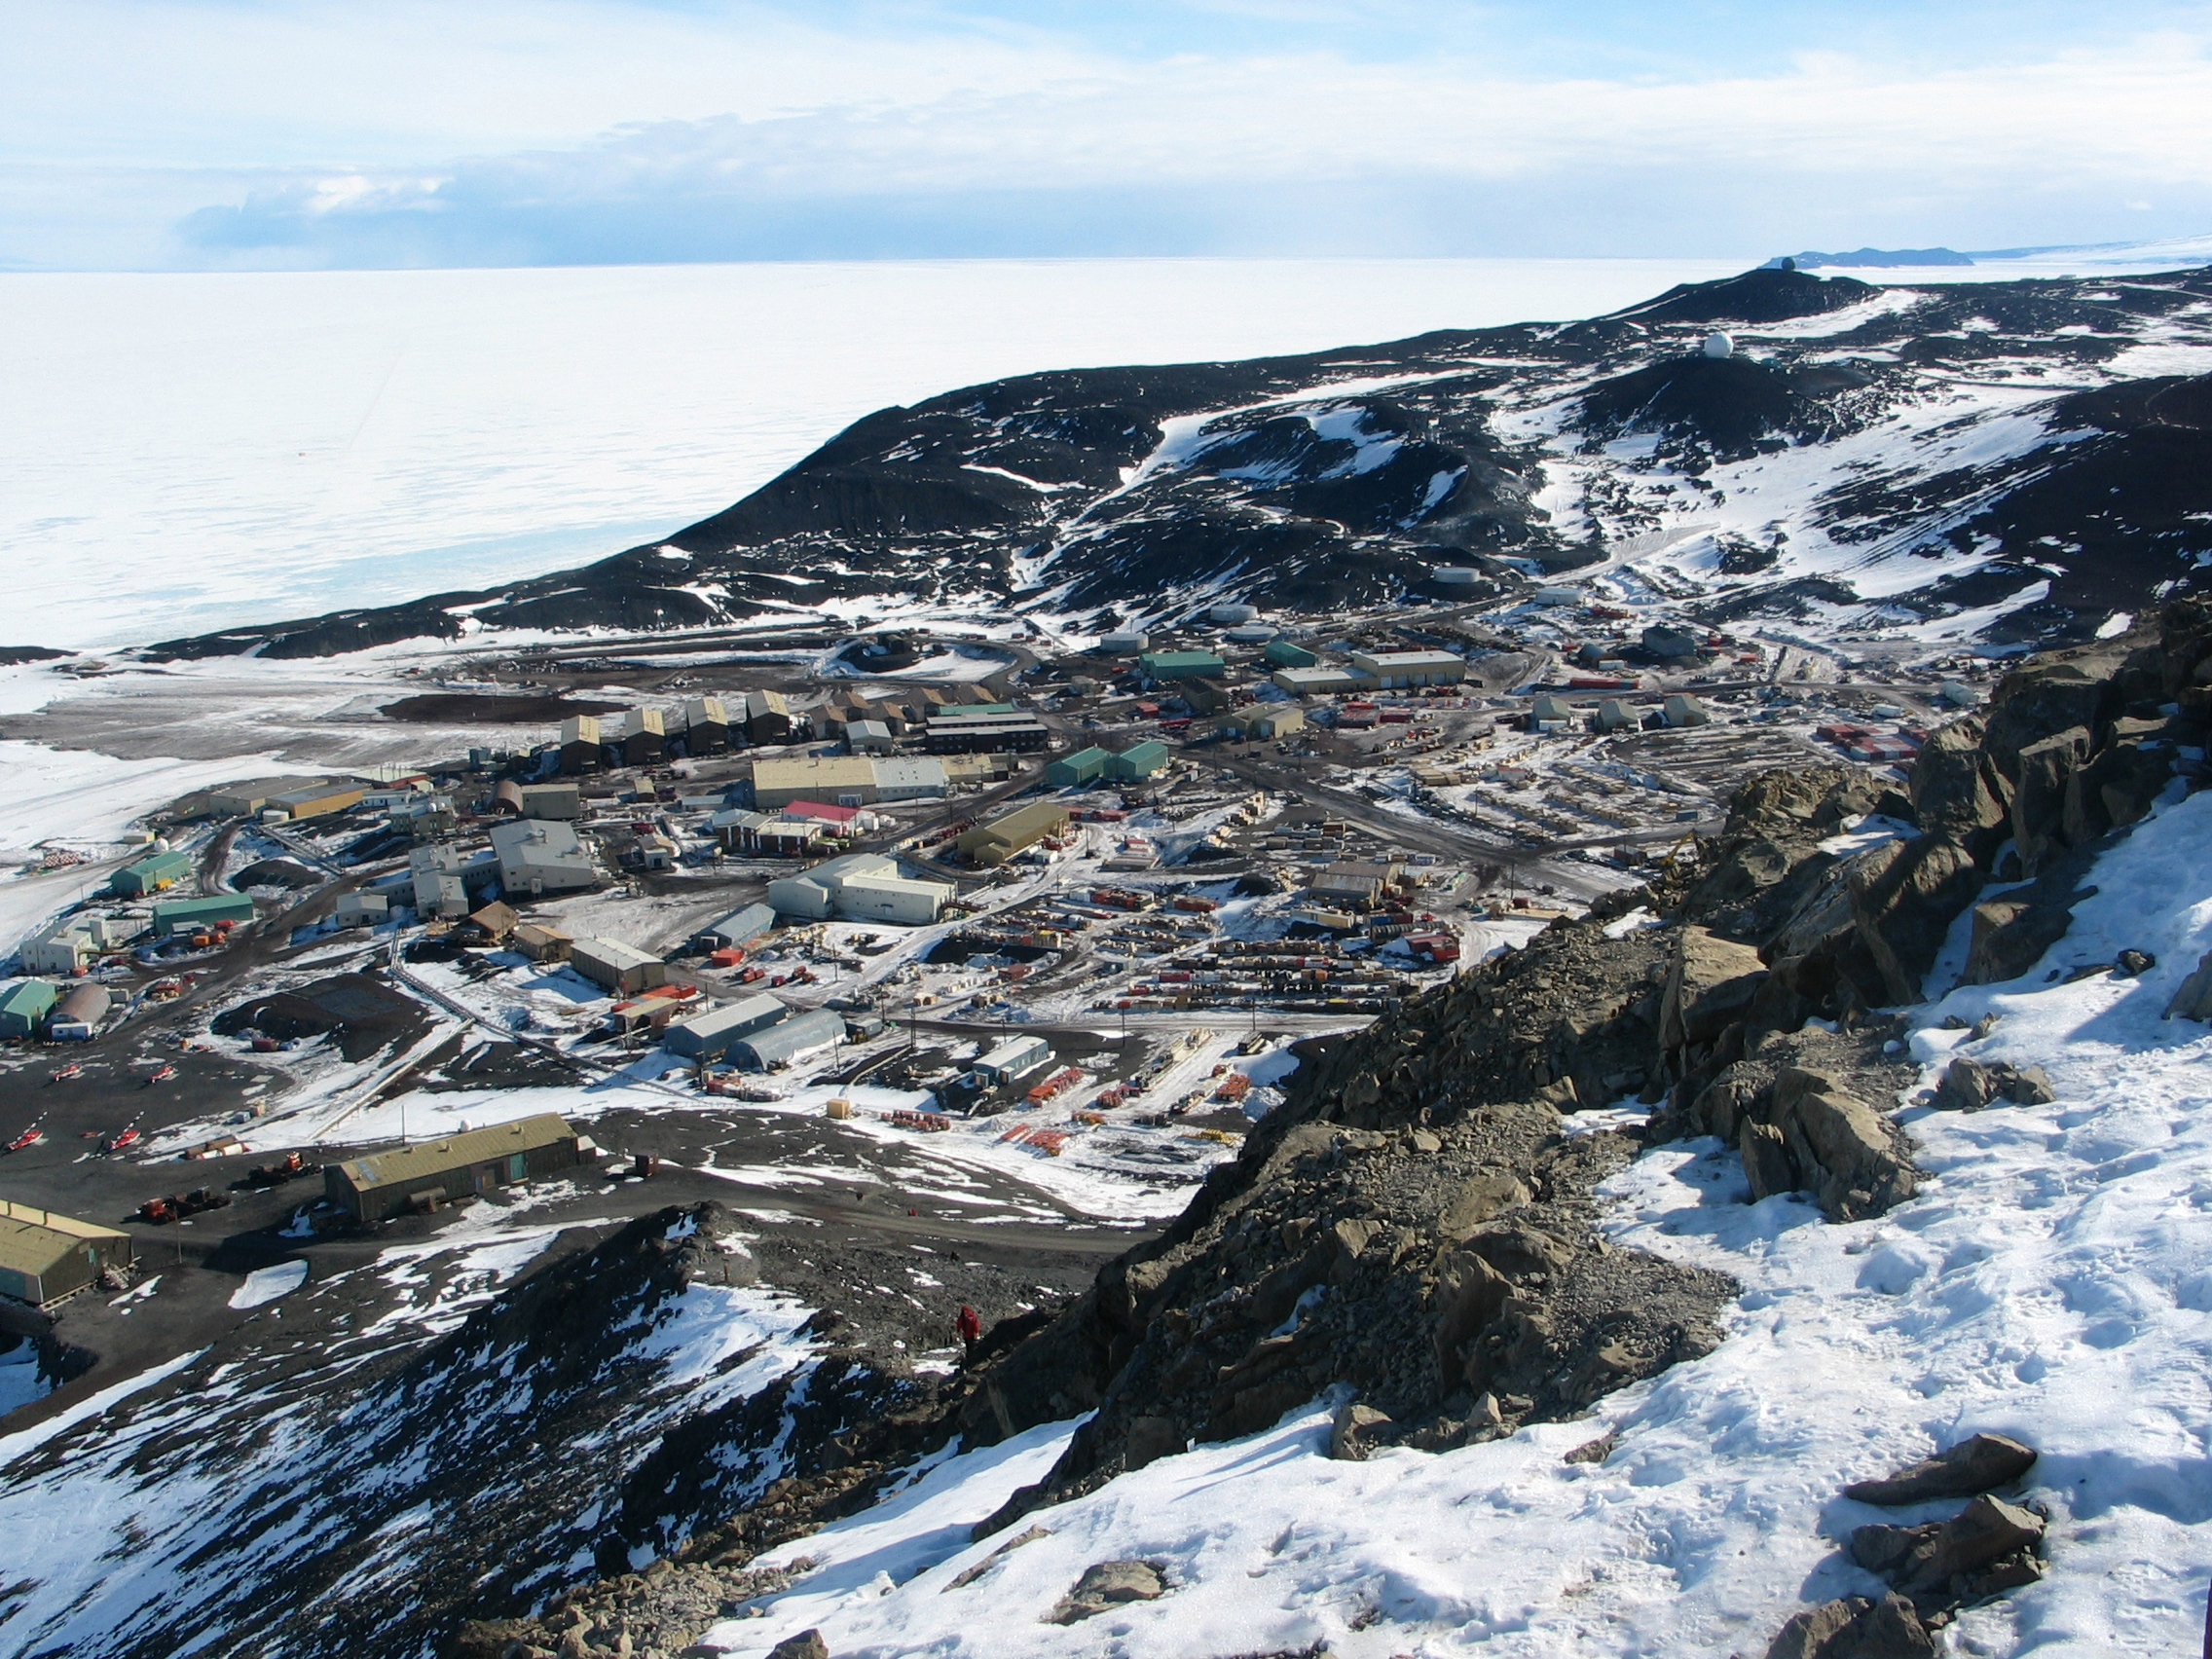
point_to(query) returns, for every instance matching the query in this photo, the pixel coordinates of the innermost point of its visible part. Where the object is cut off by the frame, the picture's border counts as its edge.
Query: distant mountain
(1981, 460)
(1870, 258)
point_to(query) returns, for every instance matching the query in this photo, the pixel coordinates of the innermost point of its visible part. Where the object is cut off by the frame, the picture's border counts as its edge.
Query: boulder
(2192, 999)
(1469, 1293)
(1351, 1437)
(1766, 1161)
(1109, 1584)
(1722, 1105)
(2046, 769)
(1152, 1438)
(1968, 1084)
(1841, 1147)
(1904, 897)
(1710, 985)
(2129, 779)
(1953, 792)
(1854, 1628)
(2042, 698)
(1975, 1464)
(807, 1644)
(1955, 1561)
(1479, 1199)
(2010, 932)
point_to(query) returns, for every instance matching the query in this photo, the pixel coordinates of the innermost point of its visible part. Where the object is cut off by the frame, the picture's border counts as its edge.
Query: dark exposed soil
(462, 708)
(366, 1016)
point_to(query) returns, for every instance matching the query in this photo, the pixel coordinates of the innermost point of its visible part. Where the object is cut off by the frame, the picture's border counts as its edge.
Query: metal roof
(746, 1014)
(454, 1151)
(28, 997)
(613, 953)
(792, 1036)
(33, 1239)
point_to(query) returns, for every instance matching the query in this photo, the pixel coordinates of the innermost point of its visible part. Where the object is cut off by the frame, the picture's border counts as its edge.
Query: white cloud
(462, 136)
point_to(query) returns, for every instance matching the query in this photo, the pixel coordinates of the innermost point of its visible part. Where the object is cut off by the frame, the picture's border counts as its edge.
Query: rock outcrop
(1933, 1568)
(1980, 1463)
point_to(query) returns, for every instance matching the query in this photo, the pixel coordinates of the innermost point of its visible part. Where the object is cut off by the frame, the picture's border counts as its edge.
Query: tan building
(541, 943)
(995, 843)
(580, 750)
(45, 1257)
(427, 1173)
(1392, 671)
(621, 967)
(834, 780)
(321, 798)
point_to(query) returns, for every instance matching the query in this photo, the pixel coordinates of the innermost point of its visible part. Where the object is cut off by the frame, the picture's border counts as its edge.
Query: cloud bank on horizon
(301, 133)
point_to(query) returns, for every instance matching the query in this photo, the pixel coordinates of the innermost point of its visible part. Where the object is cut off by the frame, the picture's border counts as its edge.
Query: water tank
(1231, 614)
(1250, 634)
(1455, 575)
(1719, 344)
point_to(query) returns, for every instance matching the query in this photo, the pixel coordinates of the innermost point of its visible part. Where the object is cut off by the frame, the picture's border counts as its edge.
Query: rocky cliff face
(1871, 459)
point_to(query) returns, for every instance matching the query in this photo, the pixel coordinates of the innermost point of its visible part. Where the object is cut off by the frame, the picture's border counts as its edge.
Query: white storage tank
(1126, 644)
(1231, 614)
(1455, 575)
(1250, 634)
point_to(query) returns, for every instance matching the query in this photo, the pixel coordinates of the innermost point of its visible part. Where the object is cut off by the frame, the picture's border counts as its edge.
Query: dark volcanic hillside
(1986, 452)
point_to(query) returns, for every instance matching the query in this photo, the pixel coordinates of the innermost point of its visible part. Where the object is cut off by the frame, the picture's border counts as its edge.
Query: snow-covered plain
(2050, 1282)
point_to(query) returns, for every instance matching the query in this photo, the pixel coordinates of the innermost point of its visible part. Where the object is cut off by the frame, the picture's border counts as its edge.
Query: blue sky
(288, 133)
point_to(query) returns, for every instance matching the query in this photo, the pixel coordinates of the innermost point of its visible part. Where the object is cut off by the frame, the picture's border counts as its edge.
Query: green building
(1180, 665)
(1138, 760)
(183, 915)
(1283, 654)
(1080, 767)
(24, 1005)
(150, 874)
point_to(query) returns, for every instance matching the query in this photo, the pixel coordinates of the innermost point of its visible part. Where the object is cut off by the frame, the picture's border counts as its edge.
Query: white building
(1015, 1058)
(537, 857)
(436, 884)
(892, 899)
(68, 944)
(919, 778)
(363, 910)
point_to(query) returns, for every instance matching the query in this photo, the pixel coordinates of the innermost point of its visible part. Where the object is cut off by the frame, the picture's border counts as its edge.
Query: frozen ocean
(191, 450)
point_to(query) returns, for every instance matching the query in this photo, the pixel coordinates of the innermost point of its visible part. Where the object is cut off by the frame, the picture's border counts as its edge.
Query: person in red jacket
(969, 1325)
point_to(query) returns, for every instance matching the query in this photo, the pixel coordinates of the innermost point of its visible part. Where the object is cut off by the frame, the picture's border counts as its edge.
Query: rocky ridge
(1965, 445)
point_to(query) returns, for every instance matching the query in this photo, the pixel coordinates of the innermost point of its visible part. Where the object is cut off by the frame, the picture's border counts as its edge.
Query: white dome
(1718, 345)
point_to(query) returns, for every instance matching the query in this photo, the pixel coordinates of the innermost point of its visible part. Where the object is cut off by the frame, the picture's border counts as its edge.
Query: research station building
(45, 1257)
(386, 1183)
